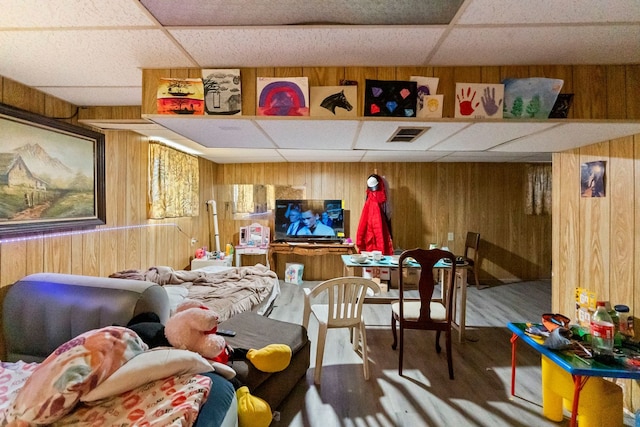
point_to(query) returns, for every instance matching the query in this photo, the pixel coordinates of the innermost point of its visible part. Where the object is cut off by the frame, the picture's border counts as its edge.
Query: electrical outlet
(194, 241)
(450, 236)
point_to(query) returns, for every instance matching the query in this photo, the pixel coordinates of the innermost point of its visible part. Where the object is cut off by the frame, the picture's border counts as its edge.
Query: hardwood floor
(424, 396)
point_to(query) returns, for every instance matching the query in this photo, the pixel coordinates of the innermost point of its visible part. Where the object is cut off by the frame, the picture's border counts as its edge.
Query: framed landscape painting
(51, 174)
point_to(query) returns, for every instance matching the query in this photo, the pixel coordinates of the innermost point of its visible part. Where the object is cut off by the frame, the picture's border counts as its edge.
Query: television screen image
(309, 220)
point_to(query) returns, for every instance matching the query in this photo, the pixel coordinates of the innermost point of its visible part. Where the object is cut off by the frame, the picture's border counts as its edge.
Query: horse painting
(337, 100)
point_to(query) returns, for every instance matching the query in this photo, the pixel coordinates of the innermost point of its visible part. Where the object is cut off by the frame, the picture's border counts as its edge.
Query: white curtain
(538, 190)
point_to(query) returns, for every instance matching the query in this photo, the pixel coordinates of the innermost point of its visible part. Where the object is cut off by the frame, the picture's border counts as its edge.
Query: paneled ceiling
(91, 53)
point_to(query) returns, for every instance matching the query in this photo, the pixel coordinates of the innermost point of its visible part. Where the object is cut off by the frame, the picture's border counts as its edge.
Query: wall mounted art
(531, 98)
(432, 107)
(391, 98)
(282, 96)
(222, 92)
(333, 101)
(52, 175)
(561, 107)
(180, 96)
(427, 86)
(592, 183)
(479, 100)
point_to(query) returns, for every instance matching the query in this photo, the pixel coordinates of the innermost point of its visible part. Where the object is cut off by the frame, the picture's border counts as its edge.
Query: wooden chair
(472, 243)
(426, 312)
(342, 309)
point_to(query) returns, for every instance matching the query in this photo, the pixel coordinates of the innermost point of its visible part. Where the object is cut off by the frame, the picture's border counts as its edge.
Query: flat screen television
(309, 220)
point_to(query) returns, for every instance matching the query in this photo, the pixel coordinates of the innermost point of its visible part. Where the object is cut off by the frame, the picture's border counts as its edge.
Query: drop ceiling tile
(402, 156)
(589, 44)
(295, 12)
(537, 158)
(309, 45)
(550, 11)
(482, 156)
(484, 135)
(315, 134)
(321, 155)
(88, 58)
(374, 134)
(97, 96)
(570, 135)
(239, 155)
(216, 133)
(72, 13)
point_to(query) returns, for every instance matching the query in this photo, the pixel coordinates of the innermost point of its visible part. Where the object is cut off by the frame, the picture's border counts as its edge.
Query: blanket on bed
(227, 292)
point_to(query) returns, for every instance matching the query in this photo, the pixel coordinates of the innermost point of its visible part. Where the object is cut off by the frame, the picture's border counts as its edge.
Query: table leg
(271, 260)
(458, 322)
(266, 256)
(238, 258)
(578, 383)
(463, 302)
(514, 344)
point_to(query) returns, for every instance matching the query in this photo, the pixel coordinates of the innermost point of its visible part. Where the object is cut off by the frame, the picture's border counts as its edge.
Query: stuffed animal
(193, 327)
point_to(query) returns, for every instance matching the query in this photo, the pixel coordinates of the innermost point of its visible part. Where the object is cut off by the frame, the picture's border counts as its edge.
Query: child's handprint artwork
(490, 103)
(465, 102)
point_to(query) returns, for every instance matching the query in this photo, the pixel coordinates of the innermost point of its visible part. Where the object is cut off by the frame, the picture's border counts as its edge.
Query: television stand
(308, 249)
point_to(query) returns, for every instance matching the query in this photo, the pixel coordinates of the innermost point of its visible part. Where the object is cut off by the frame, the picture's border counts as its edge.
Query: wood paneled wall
(428, 200)
(129, 239)
(596, 241)
(600, 91)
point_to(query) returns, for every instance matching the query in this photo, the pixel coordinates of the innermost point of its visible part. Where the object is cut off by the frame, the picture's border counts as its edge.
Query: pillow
(71, 371)
(176, 294)
(147, 367)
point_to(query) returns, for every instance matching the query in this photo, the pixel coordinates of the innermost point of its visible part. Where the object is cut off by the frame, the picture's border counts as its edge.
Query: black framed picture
(51, 174)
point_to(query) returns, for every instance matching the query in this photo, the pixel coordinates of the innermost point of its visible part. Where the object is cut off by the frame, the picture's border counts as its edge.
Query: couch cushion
(255, 332)
(72, 370)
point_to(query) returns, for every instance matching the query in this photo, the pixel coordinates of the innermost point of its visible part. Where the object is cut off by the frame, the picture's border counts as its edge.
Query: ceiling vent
(407, 134)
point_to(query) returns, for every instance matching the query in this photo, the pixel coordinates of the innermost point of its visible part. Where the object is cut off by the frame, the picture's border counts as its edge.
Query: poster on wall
(333, 101)
(428, 103)
(479, 100)
(390, 98)
(592, 176)
(180, 96)
(222, 92)
(282, 96)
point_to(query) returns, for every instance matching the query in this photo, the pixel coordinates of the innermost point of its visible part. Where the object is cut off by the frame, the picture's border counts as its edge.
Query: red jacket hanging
(373, 231)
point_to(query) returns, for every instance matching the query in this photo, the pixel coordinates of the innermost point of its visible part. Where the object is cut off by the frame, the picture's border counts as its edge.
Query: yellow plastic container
(600, 403)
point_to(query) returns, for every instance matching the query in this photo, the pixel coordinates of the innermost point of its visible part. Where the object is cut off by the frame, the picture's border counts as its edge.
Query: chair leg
(365, 357)
(322, 336)
(449, 356)
(401, 352)
(475, 276)
(394, 345)
(355, 339)
(438, 348)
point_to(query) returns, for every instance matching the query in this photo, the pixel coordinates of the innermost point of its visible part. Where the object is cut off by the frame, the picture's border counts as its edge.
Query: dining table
(459, 316)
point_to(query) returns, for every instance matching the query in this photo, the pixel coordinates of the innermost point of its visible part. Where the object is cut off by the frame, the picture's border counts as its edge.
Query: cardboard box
(411, 277)
(293, 273)
(382, 273)
(585, 306)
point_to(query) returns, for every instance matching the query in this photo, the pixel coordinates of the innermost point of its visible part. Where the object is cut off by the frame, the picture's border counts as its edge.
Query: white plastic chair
(342, 309)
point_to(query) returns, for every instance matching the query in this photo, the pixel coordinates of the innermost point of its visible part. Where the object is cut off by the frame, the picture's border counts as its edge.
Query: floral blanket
(159, 386)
